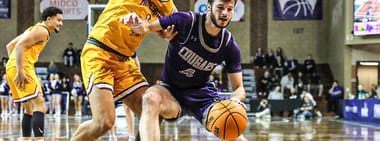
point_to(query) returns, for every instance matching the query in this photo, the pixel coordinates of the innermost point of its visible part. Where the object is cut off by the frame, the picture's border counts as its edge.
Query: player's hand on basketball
(168, 34)
(21, 80)
(239, 102)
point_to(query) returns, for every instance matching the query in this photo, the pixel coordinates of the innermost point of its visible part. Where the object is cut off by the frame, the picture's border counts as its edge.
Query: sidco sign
(72, 9)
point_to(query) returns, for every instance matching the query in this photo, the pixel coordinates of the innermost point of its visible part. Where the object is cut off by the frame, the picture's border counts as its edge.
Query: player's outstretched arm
(168, 34)
(139, 25)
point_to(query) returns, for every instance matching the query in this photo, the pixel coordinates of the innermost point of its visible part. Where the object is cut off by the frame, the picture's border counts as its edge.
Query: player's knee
(151, 99)
(42, 108)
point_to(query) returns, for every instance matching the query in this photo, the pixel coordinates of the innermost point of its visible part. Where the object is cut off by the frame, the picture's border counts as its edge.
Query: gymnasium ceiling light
(369, 63)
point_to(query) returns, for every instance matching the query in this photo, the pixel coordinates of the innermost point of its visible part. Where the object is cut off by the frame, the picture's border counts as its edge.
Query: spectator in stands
(69, 55)
(309, 67)
(77, 94)
(274, 81)
(4, 96)
(275, 94)
(263, 87)
(278, 68)
(305, 93)
(373, 93)
(315, 84)
(4, 61)
(306, 110)
(77, 55)
(292, 65)
(52, 68)
(287, 82)
(335, 94)
(49, 92)
(361, 92)
(56, 87)
(280, 52)
(378, 92)
(259, 59)
(299, 80)
(65, 93)
(293, 94)
(263, 110)
(270, 59)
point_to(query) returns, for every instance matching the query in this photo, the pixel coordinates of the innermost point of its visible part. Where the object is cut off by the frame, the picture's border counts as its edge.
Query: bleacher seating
(325, 75)
(42, 72)
(62, 69)
(249, 80)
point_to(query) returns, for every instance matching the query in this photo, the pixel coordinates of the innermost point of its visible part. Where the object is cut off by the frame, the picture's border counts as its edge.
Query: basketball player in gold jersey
(108, 69)
(23, 53)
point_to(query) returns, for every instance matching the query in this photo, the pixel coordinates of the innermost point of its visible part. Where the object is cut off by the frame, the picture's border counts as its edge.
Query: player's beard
(213, 20)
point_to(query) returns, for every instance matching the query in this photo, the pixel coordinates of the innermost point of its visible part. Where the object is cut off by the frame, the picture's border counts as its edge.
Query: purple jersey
(4, 88)
(78, 88)
(193, 53)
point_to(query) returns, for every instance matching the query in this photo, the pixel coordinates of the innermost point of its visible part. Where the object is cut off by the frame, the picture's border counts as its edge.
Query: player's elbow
(8, 46)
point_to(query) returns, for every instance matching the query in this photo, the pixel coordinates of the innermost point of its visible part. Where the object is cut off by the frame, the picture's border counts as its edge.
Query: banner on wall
(297, 9)
(5, 8)
(72, 9)
(362, 110)
(201, 6)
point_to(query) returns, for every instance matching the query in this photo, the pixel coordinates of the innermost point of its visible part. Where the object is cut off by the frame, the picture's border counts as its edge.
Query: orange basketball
(227, 119)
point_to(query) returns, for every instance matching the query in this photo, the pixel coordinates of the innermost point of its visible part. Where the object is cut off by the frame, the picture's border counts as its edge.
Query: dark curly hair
(50, 12)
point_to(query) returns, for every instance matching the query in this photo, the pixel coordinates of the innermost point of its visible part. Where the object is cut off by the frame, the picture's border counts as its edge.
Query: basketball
(227, 119)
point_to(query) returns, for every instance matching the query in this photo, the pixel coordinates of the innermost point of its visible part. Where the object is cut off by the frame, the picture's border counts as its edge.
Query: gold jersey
(33, 87)
(30, 53)
(114, 34)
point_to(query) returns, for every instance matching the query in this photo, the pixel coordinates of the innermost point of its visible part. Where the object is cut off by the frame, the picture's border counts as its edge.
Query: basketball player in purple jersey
(201, 44)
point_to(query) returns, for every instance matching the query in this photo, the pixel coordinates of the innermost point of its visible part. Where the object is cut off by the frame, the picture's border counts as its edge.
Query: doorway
(367, 74)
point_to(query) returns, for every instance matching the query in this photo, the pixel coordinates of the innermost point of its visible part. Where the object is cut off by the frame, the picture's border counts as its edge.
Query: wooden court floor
(188, 129)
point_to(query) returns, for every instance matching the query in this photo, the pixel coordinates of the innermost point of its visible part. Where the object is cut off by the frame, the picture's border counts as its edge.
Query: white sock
(131, 138)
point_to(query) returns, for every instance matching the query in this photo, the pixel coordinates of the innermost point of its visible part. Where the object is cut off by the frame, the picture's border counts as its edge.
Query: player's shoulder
(37, 31)
(41, 29)
(228, 36)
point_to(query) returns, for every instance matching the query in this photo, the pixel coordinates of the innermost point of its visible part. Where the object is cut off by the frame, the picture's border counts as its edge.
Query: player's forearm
(154, 26)
(19, 58)
(239, 93)
(237, 86)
